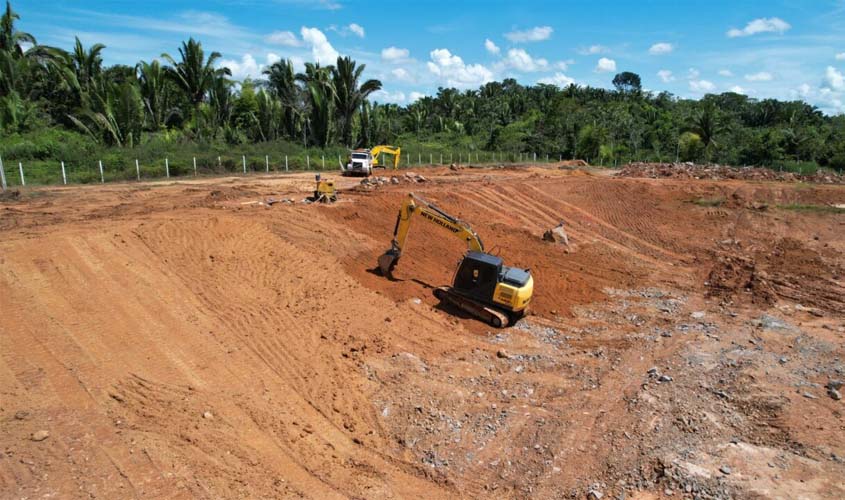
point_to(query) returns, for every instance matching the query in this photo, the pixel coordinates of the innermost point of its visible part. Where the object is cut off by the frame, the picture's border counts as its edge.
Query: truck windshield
(359, 156)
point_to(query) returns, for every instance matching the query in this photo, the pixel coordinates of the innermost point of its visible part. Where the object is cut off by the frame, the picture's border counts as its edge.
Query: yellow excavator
(483, 286)
(363, 161)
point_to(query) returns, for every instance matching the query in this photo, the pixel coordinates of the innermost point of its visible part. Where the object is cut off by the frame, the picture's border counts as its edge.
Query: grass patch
(709, 202)
(813, 208)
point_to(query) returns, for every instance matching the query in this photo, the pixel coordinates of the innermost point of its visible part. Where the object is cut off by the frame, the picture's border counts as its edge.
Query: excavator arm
(396, 152)
(414, 205)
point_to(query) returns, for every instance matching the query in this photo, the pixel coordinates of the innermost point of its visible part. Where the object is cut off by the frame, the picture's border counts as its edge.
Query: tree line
(189, 98)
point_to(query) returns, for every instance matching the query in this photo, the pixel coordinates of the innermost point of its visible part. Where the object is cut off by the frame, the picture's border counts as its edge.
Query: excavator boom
(430, 212)
(378, 150)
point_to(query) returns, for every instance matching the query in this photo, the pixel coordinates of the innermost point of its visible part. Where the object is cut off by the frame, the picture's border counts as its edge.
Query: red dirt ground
(183, 340)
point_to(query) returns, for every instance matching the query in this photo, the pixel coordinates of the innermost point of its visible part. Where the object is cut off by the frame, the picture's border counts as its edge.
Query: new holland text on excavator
(483, 285)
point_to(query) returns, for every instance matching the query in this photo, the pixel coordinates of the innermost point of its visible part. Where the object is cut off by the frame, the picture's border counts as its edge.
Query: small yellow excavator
(483, 286)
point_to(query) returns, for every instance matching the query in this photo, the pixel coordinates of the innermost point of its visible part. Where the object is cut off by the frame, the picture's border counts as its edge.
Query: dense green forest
(58, 104)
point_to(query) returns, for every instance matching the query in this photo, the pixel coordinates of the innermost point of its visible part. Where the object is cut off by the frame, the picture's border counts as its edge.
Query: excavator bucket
(387, 262)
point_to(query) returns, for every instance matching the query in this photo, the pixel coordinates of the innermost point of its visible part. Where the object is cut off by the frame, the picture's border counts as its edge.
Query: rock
(501, 353)
(652, 370)
(697, 315)
(40, 435)
(519, 369)
(208, 415)
(394, 180)
(832, 384)
(421, 179)
(21, 415)
(809, 396)
(725, 470)
(595, 495)
(664, 378)
(834, 394)
(783, 360)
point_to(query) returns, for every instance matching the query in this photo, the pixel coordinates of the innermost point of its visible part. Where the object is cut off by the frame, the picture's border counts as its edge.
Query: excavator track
(487, 314)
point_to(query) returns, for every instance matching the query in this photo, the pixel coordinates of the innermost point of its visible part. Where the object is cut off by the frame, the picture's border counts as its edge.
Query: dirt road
(189, 340)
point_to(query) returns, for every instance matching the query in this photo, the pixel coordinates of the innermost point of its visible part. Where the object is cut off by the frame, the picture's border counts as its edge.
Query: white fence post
(430, 159)
(167, 167)
(195, 166)
(286, 163)
(2, 174)
(441, 158)
(243, 159)
(419, 158)
(137, 169)
(535, 157)
(64, 175)
(219, 162)
(308, 161)
(102, 177)
(324, 162)
(267, 163)
(20, 168)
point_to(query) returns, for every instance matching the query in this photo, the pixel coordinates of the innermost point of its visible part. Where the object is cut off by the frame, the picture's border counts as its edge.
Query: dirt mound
(721, 172)
(789, 270)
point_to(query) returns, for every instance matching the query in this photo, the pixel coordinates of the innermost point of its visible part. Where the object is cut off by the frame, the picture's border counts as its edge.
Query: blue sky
(788, 49)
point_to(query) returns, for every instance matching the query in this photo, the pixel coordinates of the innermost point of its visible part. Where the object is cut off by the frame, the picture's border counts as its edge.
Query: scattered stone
(834, 384)
(208, 415)
(652, 370)
(809, 396)
(834, 394)
(697, 315)
(595, 495)
(664, 378)
(501, 353)
(783, 360)
(394, 180)
(519, 369)
(21, 415)
(725, 470)
(40, 435)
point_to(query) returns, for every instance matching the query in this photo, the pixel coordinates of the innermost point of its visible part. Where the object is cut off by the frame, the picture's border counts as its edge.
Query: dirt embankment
(185, 340)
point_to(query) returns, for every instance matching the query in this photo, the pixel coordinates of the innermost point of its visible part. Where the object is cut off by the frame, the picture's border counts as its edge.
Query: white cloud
(286, 38)
(726, 72)
(452, 69)
(693, 74)
(840, 56)
(401, 74)
(247, 67)
(804, 90)
(357, 29)
(701, 86)
(605, 65)
(833, 79)
(536, 34)
(762, 25)
(593, 49)
(381, 95)
(394, 54)
(762, 76)
(491, 47)
(415, 96)
(321, 49)
(661, 48)
(558, 79)
(665, 75)
(736, 89)
(521, 60)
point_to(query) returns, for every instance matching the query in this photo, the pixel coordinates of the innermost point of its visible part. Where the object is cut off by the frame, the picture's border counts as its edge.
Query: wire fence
(58, 172)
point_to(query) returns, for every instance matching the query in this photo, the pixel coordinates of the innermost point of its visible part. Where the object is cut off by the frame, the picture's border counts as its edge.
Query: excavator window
(478, 277)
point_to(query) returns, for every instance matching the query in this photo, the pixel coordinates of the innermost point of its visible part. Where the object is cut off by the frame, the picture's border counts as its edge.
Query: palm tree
(194, 74)
(282, 80)
(115, 114)
(87, 64)
(152, 84)
(349, 95)
(11, 40)
(320, 93)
